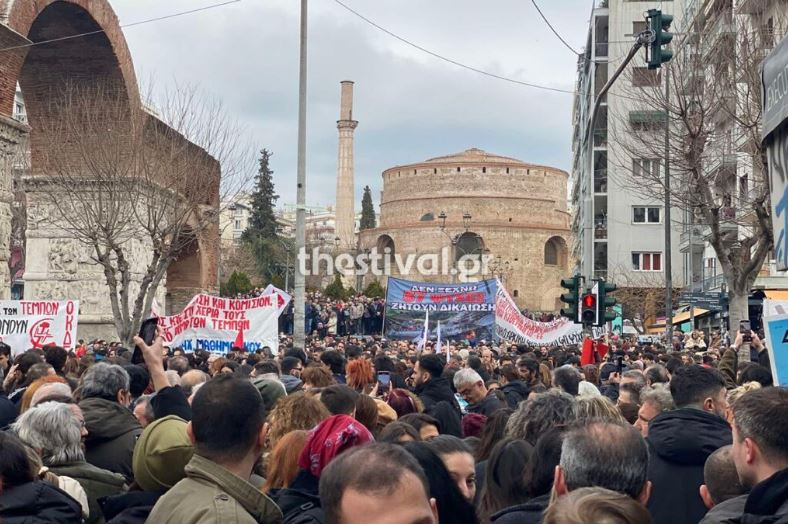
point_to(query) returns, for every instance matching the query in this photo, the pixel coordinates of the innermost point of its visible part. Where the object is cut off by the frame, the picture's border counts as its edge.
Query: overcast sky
(410, 106)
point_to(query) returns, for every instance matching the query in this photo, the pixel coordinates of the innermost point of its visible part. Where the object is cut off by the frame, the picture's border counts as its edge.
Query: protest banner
(511, 325)
(776, 329)
(26, 324)
(214, 324)
(465, 311)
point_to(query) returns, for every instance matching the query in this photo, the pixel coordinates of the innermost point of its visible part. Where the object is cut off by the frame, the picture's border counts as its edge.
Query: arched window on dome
(468, 244)
(555, 252)
(385, 249)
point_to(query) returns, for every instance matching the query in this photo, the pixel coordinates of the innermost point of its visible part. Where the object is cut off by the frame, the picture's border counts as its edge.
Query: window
(645, 77)
(645, 167)
(484, 170)
(646, 215)
(639, 26)
(647, 261)
(550, 254)
(237, 224)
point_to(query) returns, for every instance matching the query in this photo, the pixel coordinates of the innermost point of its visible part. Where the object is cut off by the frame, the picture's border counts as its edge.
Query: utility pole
(587, 265)
(299, 327)
(668, 254)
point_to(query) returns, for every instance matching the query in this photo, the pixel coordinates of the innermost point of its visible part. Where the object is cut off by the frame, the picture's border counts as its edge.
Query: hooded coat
(38, 503)
(96, 482)
(679, 442)
(112, 434)
(515, 392)
(440, 403)
(529, 513)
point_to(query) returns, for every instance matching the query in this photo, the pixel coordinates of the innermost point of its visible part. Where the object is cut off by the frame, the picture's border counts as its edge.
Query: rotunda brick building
(477, 203)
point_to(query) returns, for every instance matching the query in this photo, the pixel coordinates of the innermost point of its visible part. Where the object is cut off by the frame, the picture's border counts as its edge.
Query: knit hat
(161, 453)
(270, 389)
(386, 413)
(473, 424)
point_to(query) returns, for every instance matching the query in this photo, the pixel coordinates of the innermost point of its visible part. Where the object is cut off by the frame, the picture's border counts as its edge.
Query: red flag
(587, 356)
(239, 340)
(602, 349)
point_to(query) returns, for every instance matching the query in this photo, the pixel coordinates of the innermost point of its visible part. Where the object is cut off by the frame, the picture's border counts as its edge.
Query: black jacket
(300, 502)
(440, 403)
(515, 392)
(529, 513)
(129, 508)
(768, 501)
(679, 442)
(38, 503)
(489, 405)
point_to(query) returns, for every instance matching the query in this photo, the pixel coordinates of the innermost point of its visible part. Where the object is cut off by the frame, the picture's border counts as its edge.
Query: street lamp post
(466, 222)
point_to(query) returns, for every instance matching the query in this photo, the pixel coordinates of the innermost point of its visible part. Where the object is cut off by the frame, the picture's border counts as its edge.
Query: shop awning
(682, 317)
(776, 294)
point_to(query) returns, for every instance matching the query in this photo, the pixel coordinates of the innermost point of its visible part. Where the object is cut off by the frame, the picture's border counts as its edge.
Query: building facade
(478, 204)
(621, 231)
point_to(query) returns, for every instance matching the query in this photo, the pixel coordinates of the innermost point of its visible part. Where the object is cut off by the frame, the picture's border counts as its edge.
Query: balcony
(729, 227)
(722, 27)
(693, 240)
(713, 283)
(724, 162)
(600, 228)
(600, 181)
(600, 138)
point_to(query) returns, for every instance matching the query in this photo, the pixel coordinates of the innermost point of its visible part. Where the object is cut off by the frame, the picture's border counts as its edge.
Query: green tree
(374, 290)
(270, 251)
(367, 210)
(335, 290)
(262, 222)
(237, 283)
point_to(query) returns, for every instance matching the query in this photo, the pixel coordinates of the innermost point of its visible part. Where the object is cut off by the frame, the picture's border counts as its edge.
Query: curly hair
(539, 413)
(596, 408)
(296, 411)
(317, 376)
(359, 374)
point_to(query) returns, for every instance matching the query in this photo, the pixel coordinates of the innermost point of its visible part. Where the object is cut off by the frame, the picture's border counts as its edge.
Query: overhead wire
(546, 21)
(450, 60)
(132, 24)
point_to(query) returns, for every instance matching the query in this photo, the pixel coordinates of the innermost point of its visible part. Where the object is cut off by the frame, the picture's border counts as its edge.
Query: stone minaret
(345, 209)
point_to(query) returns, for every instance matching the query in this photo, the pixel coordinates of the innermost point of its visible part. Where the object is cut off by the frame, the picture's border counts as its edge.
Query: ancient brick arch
(99, 62)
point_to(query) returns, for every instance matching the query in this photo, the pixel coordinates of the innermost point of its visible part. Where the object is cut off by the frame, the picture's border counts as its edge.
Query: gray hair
(104, 380)
(539, 413)
(54, 429)
(640, 378)
(606, 454)
(658, 395)
(466, 376)
(145, 399)
(50, 390)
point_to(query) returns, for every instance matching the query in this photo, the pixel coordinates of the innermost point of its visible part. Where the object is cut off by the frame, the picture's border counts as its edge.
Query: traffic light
(606, 302)
(589, 311)
(659, 25)
(571, 298)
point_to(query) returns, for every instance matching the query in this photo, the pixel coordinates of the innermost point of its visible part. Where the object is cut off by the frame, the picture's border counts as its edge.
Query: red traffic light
(589, 301)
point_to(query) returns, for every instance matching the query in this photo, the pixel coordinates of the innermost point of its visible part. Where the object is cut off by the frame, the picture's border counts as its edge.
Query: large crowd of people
(360, 429)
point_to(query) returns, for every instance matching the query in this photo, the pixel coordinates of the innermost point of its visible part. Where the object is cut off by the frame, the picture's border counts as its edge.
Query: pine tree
(261, 232)
(262, 222)
(367, 210)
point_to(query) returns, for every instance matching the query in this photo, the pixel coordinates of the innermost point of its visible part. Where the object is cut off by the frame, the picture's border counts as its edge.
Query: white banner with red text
(512, 326)
(216, 324)
(27, 324)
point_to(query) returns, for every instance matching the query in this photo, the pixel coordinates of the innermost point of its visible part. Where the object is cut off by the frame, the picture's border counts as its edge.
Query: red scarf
(330, 438)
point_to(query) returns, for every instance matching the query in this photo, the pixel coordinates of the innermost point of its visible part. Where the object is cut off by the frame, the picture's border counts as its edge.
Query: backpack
(307, 513)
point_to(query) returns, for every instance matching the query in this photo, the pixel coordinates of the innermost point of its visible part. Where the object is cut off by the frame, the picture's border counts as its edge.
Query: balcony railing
(600, 138)
(713, 282)
(600, 181)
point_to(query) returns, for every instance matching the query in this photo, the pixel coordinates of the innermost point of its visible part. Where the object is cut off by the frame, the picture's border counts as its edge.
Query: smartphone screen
(384, 378)
(147, 334)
